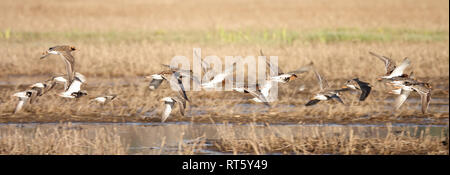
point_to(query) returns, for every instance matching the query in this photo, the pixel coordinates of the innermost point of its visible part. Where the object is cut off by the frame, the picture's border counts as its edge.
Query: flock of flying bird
(403, 84)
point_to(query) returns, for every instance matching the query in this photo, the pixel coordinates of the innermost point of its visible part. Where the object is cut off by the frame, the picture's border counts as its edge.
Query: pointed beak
(344, 86)
(44, 54)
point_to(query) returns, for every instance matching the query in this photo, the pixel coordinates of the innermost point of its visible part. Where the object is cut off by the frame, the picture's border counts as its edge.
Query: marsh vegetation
(121, 42)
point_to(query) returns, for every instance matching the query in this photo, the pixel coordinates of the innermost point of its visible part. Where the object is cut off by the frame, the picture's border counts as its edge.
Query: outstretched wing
(411, 75)
(267, 85)
(398, 71)
(204, 64)
(258, 95)
(69, 61)
(337, 98)
(365, 93)
(322, 82)
(50, 86)
(156, 82)
(221, 76)
(177, 83)
(388, 63)
(302, 69)
(272, 67)
(19, 105)
(75, 86)
(425, 96)
(184, 73)
(365, 89)
(191, 76)
(181, 104)
(167, 111)
(312, 102)
(401, 98)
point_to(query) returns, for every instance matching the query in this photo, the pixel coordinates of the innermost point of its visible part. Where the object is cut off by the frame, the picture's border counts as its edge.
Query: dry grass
(65, 139)
(139, 59)
(55, 139)
(68, 139)
(319, 140)
(138, 35)
(141, 15)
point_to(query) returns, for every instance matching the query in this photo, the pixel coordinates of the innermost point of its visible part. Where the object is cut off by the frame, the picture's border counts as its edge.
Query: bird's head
(352, 84)
(49, 51)
(79, 94)
(428, 85)
(292, 77)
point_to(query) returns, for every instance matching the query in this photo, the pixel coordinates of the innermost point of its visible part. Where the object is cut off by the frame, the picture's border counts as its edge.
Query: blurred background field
(136, 33)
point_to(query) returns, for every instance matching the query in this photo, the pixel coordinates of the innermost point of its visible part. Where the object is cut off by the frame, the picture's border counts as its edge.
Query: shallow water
(233, 106)
(147, 138)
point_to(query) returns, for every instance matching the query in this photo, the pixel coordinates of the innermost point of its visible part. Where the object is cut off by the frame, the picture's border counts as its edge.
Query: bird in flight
(169, 103)
(391, 69)
(362, 86)
(65, 52)
(23, 98)
(74, 89)
(325, 93)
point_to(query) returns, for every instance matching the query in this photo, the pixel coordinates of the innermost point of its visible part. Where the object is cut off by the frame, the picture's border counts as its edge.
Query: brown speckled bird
(392, 70)
(65, 52)
(423, 89)
(175, 80)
